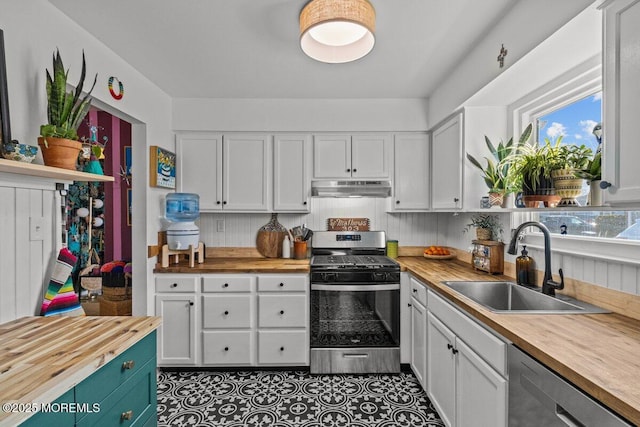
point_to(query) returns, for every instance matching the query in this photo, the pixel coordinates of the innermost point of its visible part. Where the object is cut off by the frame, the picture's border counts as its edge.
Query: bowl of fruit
(439, 252)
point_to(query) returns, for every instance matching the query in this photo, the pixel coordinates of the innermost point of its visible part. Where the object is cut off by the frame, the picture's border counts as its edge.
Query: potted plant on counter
(499, 176)
(65, 111)
(567, 164)
(488, 227)
(593, 173)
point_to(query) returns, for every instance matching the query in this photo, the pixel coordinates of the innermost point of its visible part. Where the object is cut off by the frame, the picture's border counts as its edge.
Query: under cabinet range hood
(369, 188)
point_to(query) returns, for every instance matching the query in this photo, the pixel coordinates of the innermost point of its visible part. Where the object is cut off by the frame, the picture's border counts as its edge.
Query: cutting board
(269, 243)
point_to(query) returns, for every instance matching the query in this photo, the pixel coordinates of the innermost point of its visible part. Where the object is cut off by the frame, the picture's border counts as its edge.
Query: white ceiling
(250, 48)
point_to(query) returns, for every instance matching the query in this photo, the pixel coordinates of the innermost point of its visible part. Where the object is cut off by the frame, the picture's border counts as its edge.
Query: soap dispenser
(525, 269)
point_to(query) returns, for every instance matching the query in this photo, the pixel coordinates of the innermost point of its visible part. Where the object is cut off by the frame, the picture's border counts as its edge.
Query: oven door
(355, 315)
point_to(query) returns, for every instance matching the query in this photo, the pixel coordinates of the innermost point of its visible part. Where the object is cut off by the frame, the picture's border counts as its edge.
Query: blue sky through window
(575, 121)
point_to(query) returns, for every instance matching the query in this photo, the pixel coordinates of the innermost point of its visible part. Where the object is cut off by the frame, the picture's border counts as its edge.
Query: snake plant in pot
(65, 111)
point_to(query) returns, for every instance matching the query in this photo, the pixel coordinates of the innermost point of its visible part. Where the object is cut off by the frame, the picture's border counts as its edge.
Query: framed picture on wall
(162, 168)
(129, 199)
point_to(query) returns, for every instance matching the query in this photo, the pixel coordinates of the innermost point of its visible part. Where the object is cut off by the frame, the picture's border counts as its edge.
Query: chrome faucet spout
(548, 285)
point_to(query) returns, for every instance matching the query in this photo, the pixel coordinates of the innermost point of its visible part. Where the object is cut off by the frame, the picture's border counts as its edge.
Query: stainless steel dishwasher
(539, 397)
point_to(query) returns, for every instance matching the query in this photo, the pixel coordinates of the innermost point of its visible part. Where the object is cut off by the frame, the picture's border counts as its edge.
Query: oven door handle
(356, 288)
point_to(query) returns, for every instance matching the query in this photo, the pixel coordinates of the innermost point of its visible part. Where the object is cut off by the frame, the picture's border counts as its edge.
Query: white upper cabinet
(621, 101)
(411, 172)
(199, 168)
(231, 172)
(346, 156)
(446, 164)
(246, 170)
(291, 173)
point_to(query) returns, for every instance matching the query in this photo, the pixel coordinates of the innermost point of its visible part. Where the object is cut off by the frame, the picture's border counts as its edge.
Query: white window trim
(580, 82)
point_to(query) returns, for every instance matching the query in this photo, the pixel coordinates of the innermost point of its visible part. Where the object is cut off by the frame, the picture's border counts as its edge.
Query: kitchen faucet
(548, 285)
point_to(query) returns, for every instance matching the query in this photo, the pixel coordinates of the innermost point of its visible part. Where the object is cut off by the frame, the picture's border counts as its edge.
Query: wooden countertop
(239, 265)
(597, 352)
(41, 358)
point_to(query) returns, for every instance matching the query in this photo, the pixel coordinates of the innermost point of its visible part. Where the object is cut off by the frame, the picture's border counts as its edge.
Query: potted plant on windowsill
(499, 176)
(58, 139)
(488, 227)
(593, 173)
(570, 160)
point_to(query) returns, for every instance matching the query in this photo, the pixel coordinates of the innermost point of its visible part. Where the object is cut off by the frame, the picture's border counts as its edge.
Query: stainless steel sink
(508, 297)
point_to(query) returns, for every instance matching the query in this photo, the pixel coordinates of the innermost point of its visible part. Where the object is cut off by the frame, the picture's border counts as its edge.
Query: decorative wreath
(113, 93)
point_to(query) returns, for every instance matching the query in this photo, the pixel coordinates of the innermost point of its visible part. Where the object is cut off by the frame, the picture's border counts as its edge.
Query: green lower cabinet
(121, 393)
(54, 416)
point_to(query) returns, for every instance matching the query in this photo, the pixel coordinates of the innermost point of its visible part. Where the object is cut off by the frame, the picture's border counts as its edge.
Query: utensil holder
(300, 250)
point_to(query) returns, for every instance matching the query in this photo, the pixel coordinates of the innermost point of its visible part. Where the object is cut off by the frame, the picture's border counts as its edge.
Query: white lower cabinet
(233, 319)
(176, 303)
(466, 383)
(419, 330)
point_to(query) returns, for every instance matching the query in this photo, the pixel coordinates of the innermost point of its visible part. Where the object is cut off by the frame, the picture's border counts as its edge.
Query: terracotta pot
(60, 153)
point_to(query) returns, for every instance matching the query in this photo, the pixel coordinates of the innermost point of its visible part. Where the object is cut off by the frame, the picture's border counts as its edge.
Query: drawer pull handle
(281, 348)
(281, 284)
(129, 364)
(415, 290)
(226, 312)
(226, 349)
(281, 312)
(126, 416)
(174, 285)
(226, 285)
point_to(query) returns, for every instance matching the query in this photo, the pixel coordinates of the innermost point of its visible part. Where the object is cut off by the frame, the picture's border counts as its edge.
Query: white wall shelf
(57, 174)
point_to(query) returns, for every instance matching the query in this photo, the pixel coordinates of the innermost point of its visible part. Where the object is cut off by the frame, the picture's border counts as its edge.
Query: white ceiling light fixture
(337, 31)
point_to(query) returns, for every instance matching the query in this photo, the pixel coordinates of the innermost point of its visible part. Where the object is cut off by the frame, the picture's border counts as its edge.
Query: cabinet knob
(348, 170)
(174, 285)
(281, 284)
(226, 312)
(191, 303)
(226, 285)
(415, 290)
(224, 203)
(129, 364)
(304, 203)
(281, 311)
(455, 351)
(355, 170)
(449, 346)
(605, 184)
(409, 305)
(455, 199)
(281, 348)
(226, 349)
(218, 202)
(397, 202)
(126, 416)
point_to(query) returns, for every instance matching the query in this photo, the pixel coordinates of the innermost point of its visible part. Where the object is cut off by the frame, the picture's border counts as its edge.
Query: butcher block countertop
(239, 265)
(600, 353)
(41, 358)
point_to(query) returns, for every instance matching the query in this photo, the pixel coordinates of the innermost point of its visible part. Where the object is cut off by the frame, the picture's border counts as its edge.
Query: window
(579, 123)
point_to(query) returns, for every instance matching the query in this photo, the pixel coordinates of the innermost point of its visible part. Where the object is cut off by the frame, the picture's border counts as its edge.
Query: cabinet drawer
(489, 347)
(176, 284)
(418, 291)
(283, 347)
(132, 402)
(101, 383)
(282, 311)
(287, 283)
(227, 311)
(227, 283)
(227, 347)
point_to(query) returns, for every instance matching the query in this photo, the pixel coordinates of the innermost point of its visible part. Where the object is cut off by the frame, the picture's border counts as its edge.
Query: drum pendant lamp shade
(337, 31)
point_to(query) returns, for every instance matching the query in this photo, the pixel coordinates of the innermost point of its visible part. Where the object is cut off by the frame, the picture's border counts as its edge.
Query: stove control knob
(379, 276)
(329, 277)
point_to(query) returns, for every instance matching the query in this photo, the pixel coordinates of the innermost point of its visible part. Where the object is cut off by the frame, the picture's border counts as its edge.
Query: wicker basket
(483, 233)
(116, 293)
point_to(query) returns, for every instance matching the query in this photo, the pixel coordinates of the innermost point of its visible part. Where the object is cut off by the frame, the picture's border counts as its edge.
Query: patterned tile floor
(292, 398)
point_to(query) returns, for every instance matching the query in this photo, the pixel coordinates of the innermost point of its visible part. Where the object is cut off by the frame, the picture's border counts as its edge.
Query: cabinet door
(332, 156)
(411, 172)
(441, 365)
(621, 101)
(247, 168)
(199, 168)
(446, 165)
(291, 176)
(405, 318)
(419, 341)
(370, 156)
(177, 334)
(481, 393)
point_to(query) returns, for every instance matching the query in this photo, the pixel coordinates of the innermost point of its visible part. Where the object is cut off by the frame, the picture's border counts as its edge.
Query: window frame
(580, 82)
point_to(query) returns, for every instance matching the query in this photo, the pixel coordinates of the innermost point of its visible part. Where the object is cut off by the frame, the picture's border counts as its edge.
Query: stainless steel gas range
(355, 304)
